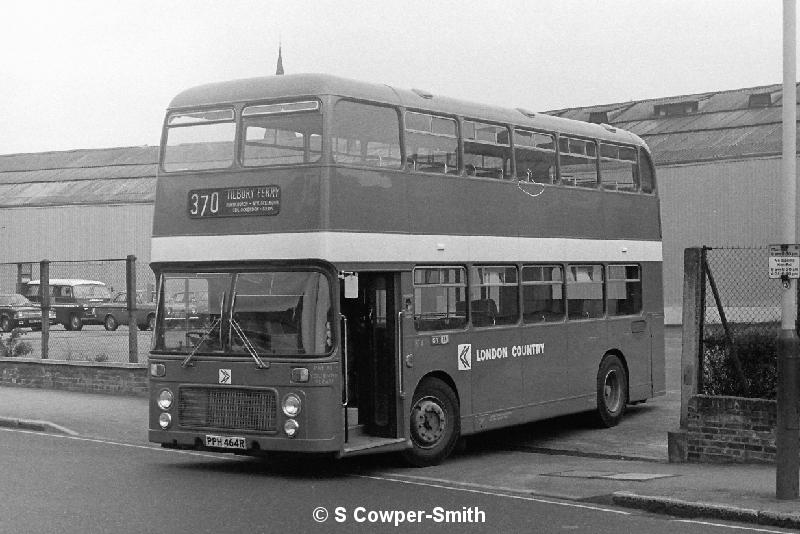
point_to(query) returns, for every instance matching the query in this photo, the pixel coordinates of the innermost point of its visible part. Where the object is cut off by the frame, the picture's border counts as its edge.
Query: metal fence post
(130, 288)
(44, 287)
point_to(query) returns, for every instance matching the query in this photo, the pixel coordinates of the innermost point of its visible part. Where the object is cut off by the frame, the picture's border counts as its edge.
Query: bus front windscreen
(269, 313)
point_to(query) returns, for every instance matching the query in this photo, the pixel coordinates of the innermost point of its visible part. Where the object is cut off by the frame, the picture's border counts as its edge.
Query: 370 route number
(204, 204)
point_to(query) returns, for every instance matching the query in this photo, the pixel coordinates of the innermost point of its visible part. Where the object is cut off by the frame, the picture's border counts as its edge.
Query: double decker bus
(349, 268)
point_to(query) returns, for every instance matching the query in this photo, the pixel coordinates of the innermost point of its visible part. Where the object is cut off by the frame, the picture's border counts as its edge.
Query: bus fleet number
(204, 204)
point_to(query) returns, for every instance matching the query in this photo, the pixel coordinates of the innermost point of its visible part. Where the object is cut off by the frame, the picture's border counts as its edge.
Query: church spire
(279, 69)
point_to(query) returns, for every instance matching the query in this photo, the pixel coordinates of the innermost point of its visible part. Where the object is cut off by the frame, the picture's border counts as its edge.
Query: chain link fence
(741, 322)
(88, 310)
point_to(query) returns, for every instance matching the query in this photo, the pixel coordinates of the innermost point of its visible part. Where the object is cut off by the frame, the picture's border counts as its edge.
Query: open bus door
(372, 359)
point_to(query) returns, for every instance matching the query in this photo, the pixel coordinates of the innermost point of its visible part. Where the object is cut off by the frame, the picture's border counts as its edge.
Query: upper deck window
(578, 162)
(431, 143)
(487, 151)
(199, 140)
(618, 167)
(535, 155)
(366, 135)
(285, 133)
(648, 181)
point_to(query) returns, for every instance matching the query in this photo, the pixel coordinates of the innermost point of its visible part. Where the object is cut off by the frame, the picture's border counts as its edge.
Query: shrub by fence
(740, 323)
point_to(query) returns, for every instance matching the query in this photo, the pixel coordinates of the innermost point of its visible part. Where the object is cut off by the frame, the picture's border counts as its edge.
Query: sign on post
(784, 261)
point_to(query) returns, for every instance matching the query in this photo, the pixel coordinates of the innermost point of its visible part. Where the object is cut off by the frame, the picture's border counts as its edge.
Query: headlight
(290, 427)
(165, 399)
(291, 405)
(164, 420)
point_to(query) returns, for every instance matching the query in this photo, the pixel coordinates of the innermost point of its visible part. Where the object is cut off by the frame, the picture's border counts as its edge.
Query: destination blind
(234, 201)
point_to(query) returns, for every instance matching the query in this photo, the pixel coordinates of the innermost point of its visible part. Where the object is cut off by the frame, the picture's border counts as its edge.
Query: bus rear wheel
(612, 391)
(434, 423)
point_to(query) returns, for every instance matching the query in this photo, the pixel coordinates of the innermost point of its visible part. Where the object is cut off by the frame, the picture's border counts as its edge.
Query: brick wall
(89, 377)
(731, 429)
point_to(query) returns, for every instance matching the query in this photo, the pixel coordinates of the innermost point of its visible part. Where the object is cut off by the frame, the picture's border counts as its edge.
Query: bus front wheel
(435, 423)
(612, 391)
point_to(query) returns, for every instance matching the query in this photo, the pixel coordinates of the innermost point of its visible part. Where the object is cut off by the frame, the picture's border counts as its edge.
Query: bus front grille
(228, 408)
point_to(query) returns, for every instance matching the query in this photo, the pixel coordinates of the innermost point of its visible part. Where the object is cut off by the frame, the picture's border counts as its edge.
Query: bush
(758, 353)
(13, 346)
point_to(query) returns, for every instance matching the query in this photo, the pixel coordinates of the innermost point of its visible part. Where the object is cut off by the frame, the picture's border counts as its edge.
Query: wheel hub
(612, 391)
(429, 421)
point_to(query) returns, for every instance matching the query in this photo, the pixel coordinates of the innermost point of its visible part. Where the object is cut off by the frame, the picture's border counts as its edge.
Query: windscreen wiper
(234, 325)
(248, 345)
(207, 334)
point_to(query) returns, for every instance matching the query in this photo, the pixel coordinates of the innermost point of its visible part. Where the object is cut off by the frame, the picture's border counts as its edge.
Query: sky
(96, 74)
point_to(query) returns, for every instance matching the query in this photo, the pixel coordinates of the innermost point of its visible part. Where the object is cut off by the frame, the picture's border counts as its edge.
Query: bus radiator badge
(225, 376)
(465, 357)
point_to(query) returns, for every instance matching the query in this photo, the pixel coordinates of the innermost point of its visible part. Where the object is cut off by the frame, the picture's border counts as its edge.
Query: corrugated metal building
(77, 205)
(717, 155)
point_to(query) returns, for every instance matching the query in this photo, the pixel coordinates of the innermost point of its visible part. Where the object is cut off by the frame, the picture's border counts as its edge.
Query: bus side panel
(587, 342)
(496, 373)
(458, 205)
(437, 352)
(653, 294)
(545, 376)
(630, 334)
(658, 370)
(368, 201)
(631, 216)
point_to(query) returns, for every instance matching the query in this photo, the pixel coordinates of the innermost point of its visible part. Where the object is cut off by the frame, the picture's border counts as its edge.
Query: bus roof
(304, 85)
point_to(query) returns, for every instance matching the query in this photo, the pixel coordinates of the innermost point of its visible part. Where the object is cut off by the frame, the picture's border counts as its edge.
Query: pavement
(566, 457)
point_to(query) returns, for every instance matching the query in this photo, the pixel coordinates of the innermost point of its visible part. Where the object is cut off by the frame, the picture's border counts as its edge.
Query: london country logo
(465, 357)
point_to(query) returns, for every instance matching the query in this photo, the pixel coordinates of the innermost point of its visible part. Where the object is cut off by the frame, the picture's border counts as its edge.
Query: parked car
(115, 313)
(16, 311)
(74, 300)
(190, 306)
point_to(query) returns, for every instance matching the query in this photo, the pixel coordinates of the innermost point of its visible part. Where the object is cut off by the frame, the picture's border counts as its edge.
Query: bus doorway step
(361, 443)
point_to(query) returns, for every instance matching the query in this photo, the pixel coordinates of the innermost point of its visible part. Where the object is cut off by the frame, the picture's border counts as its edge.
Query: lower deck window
(585, 291)
(493, 296)
(542, 293)
(624, 290)
(439, 298)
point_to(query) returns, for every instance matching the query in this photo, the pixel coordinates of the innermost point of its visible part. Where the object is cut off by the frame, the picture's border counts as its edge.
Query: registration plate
(225, 442)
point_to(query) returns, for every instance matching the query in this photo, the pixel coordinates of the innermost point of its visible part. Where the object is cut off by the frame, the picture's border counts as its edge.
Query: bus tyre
(612, 391)
(435, 423)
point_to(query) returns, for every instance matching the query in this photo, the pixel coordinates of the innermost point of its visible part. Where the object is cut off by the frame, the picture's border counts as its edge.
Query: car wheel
(612, 391)
(110, 323)
(75, 322)
(5, 323)
(150, 324)
(434, 423)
